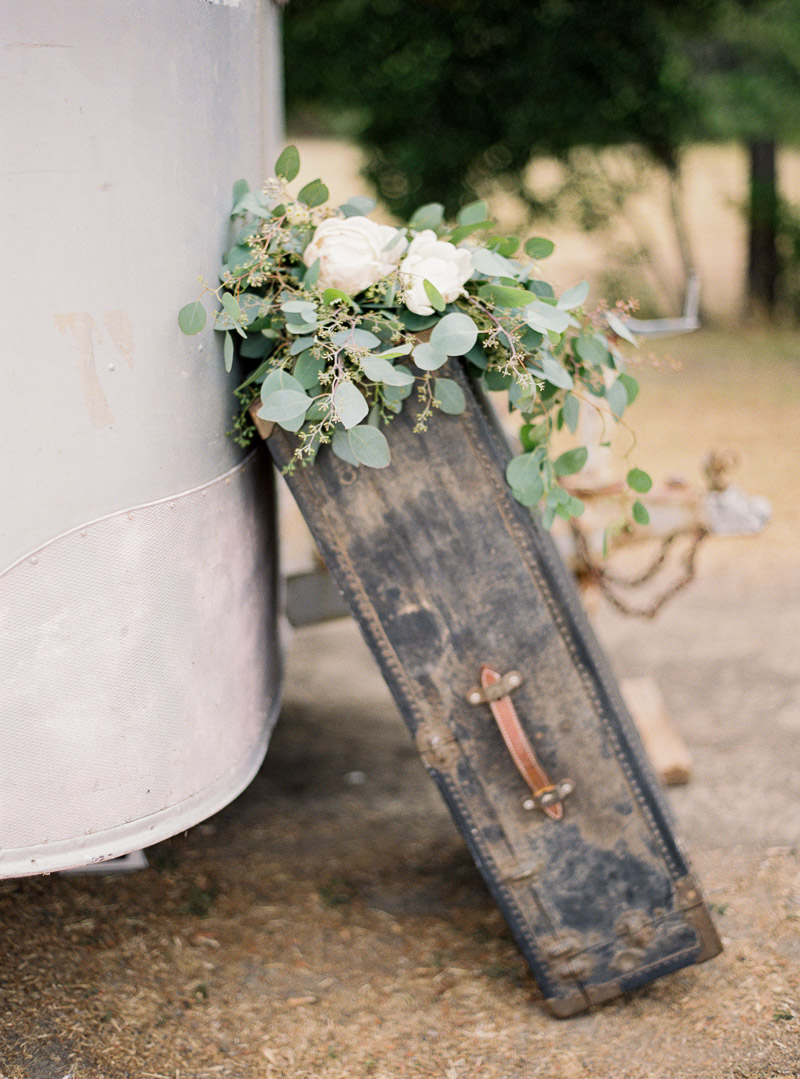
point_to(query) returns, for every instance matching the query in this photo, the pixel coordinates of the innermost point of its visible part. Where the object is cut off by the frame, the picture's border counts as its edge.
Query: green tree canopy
(452, 91)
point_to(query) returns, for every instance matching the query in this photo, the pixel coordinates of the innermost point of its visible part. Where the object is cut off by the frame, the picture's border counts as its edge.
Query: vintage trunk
(445, 573)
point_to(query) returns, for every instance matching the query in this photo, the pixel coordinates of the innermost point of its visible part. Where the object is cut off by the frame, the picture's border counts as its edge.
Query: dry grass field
(329, 924)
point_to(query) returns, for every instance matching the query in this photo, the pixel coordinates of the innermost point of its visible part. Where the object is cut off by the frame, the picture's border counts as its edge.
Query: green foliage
(448, 94)
(192, 318)
(746, 72)
(288, 164)
(639, 481)
(335, 342)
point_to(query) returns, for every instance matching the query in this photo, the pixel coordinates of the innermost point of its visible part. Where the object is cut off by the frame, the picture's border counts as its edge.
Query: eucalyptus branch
(340, 319)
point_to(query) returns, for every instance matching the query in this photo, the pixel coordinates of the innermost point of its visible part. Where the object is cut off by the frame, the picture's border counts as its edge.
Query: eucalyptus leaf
(332, 295)
(491, 264)
(355, 338)
(541, 289)
(429, 358)
(357, 206)
(300, 344)
(554, 373)
(460, 232)
(455, 334)
(250, 203)
(231, 306)
(521, 397)
(320, 410)
(227, 352)
(574, 297)
(620, 329)
(349, 404)
(591, 350)
(288, 164)
(240, 189)
(496, 380)
(450, 396)
(524, 470)
(503, 245)
(531, 339)
(539, 248)
(308, 369)
(567, 464)
(313, 194)
(503, 296)
(380, 370)
(543, 317)
(477, 356)
(192, 318)
(369, 446)
(638, 480)
(640, 513)
(433, 294)
(395, 351)
(312, 274)
(617, 398)
(340, 444)
(394, 395)
(473, 213)
(429, 216)
(294, 424)
(253, 307)
(529, 496)
(631, 387)
(571, 410)
(284, 405)
(416, 323)
(302, 307)
(238, 257)
(280, 379)
(256, 346)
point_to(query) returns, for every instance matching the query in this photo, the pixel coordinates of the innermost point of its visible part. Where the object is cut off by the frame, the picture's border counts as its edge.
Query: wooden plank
(662, 741)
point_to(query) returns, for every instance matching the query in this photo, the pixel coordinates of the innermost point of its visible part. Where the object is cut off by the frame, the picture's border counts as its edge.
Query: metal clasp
(549, 796)
(502, 688)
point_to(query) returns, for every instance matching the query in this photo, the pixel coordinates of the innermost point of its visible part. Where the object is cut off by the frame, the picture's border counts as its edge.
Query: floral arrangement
(341, 320)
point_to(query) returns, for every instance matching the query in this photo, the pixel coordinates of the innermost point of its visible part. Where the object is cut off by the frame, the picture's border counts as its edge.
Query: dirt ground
(330, 924)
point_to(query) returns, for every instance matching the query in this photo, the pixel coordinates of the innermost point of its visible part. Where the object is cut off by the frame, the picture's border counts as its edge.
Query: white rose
(446, 266)
(353, 252)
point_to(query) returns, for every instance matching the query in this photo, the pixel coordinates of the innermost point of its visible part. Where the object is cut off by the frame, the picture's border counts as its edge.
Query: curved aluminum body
(138, 643)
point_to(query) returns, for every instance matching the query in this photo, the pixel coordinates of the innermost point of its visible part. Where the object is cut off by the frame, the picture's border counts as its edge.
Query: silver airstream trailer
(139, 655)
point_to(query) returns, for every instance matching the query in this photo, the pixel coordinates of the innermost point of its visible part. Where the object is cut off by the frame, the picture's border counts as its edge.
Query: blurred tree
(449, 92)
(746, 74)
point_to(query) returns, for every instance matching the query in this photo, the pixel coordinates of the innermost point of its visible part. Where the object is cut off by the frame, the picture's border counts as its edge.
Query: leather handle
(546, 794)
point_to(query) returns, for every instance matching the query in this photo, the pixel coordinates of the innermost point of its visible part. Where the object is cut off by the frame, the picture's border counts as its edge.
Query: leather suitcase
(482, 639)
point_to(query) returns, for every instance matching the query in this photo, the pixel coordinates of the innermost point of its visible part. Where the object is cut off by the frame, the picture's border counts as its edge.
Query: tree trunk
(762, 262)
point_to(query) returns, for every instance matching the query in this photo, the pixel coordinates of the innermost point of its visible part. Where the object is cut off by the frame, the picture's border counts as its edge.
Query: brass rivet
(529, 804)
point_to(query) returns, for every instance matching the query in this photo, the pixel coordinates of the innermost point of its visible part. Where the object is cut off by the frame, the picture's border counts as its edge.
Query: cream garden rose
(354, 252)
(446, 266)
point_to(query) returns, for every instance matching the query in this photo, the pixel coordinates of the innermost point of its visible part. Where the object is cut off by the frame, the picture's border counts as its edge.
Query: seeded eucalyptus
(340, 320)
